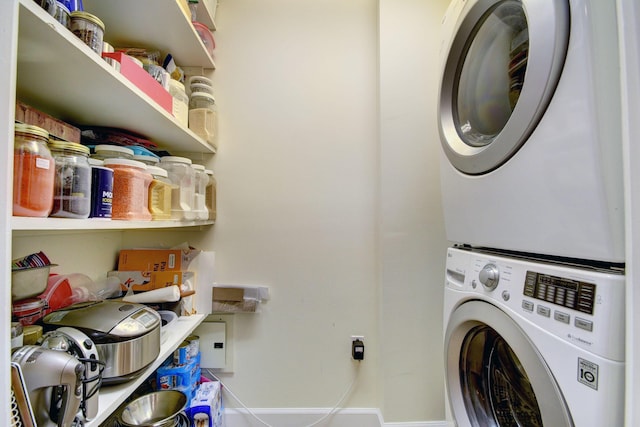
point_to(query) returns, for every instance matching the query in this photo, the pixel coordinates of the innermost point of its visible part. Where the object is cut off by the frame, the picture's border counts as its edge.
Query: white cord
(321, 419)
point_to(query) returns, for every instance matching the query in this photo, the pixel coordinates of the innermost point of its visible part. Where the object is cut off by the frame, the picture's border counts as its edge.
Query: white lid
(95, 162)
(145, 158)
(208, 171)
(200, 79)
(198, 167)
(116, 148)
(157, 171)
(203, 95)
(176, 84)
(174, 159)
(125, 162)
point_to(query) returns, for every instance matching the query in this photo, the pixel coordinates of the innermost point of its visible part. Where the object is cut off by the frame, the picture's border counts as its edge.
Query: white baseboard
(302, 417)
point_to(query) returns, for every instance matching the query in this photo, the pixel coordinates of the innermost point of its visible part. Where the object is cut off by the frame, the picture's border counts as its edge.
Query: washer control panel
(568, 293)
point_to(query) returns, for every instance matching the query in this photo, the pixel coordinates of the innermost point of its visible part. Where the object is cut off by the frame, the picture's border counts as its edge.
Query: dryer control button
(528, 306)
(587, 325)
(544, 311)
(489, 276)
(561, 317)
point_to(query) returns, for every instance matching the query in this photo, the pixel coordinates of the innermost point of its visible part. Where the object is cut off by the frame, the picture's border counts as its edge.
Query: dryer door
(501, 69)
(495, 375)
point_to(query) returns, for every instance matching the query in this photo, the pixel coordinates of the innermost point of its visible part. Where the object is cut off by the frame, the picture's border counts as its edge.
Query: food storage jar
(146, 159)
(203, 117)
(88, 28)
(210, 197)
(101, 189)
(180, 102)
(72, 182)
(28, 311)
(130, 189)
(193, 80)
(201, 87)
(199, 194)
(182, 177)
(159, 193)
(106, 151)
(33, 172)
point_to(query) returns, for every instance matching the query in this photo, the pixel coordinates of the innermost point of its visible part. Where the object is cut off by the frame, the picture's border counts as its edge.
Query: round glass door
(495, 375)
(500, 73)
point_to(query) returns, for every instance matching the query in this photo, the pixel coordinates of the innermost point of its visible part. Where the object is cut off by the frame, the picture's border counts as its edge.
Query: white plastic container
(203, 117)
(199, 195)
(180, 102)
(183, 178)
(159, 194)
(130, 190)
(210, 194)
(106, 151)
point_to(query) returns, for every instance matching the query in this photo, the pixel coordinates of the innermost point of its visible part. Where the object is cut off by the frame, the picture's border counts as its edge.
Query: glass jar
(88, 28)
(159, 194)
(203, 117)
(72, 188)
(130, 190)
(199, 194)
(107, 151)
(180, 102)
(101, 189)
(183, 178)
(210, 195)
(33, 172)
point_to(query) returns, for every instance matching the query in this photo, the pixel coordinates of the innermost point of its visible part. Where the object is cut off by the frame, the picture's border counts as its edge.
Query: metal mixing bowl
(157, 409)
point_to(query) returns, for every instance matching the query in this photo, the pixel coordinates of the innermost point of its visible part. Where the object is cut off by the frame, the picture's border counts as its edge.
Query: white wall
(329, 194)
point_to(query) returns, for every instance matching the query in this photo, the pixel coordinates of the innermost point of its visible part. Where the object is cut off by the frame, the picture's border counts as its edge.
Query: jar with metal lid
(182, 177)
(210, 194)
(159, 193)
(101, 189)
(130, 190)
(107, 151)
(88, 28)
(72, 183)
(180, 102)
(203, 117)
(199, 194)
(33, 172)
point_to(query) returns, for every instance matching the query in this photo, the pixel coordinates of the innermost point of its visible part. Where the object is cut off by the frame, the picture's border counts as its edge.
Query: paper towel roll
(168, 294)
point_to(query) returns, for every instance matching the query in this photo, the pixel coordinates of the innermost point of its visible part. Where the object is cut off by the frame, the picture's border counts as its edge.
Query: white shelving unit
(47, 67)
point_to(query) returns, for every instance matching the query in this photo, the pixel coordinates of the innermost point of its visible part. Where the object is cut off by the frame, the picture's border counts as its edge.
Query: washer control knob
(489, 276)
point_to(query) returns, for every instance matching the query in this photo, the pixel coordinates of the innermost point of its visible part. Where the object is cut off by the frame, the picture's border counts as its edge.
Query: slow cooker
(126, 335)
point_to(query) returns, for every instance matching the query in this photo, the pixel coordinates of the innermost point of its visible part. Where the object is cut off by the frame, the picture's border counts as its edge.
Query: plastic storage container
(210, 195)
(130, 190)
(180, 102)
(28, 311)
(72, 188)
(199, 194)
(203, 117)
(193, 80)
(88, 28)
(33, 172)
(159, 193)
(101, 189)
(146, 159)
(106, 151)
(182, 177)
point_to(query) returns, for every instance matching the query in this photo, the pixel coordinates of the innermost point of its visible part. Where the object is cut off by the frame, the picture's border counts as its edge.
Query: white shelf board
(69, 224)
(112, 396)
(65, 78)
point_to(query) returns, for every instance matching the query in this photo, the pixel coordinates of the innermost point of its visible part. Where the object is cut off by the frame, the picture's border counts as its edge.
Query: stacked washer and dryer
(533, 200)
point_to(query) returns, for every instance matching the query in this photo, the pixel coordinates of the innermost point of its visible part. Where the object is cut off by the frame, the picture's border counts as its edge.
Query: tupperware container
(199, 195)
(33, 172)
(180, 102)
(28, 311)
(146, 159)
(106, 151)
(210, 194)
(159, 193)
(130, 189)
(72, 182)
(203, 117)
(182, 177)
(201, 87)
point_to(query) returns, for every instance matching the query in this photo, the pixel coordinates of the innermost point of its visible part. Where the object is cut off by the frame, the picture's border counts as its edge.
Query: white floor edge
(302, 417)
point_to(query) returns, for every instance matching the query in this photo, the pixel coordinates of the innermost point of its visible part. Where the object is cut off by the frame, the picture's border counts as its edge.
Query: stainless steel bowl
(158, 409)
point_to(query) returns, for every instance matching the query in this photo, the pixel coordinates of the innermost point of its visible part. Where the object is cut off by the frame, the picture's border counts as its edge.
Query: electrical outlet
(357, 347)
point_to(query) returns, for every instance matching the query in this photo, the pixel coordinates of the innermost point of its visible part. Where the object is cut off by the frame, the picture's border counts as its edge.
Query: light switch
(213, 344)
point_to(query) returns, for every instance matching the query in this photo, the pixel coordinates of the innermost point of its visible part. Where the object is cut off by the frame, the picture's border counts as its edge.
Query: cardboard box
(155, 259)
(139, 77)
(140, 281)
(59, 129)
(228, 294)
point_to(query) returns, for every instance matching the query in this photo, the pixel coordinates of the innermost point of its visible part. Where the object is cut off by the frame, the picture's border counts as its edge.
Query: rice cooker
(126, 335)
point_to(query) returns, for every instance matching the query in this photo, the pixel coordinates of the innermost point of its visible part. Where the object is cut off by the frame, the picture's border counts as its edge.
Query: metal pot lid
(114, 318)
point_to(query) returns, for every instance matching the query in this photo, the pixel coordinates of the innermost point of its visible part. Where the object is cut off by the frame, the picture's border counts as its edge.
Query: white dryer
(530, 343)
(529, 112)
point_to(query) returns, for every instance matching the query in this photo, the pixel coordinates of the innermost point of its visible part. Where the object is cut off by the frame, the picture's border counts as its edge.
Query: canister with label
(101, 189)
(72, 188)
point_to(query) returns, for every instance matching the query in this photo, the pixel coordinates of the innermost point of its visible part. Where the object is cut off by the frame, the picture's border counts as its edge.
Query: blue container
(101, 190)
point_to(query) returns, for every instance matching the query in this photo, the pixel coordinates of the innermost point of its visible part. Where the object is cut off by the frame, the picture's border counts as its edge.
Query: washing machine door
(495, 375)
(502, 65)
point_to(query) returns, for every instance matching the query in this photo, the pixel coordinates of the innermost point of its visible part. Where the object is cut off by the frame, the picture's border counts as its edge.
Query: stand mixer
(49, 374)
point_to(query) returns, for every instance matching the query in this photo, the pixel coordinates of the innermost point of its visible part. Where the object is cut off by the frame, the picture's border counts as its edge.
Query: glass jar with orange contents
(33, 172)
(130, 189)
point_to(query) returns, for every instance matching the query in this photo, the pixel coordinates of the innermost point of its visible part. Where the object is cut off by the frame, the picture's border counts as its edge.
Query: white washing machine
(530, 343)
(529, 110)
